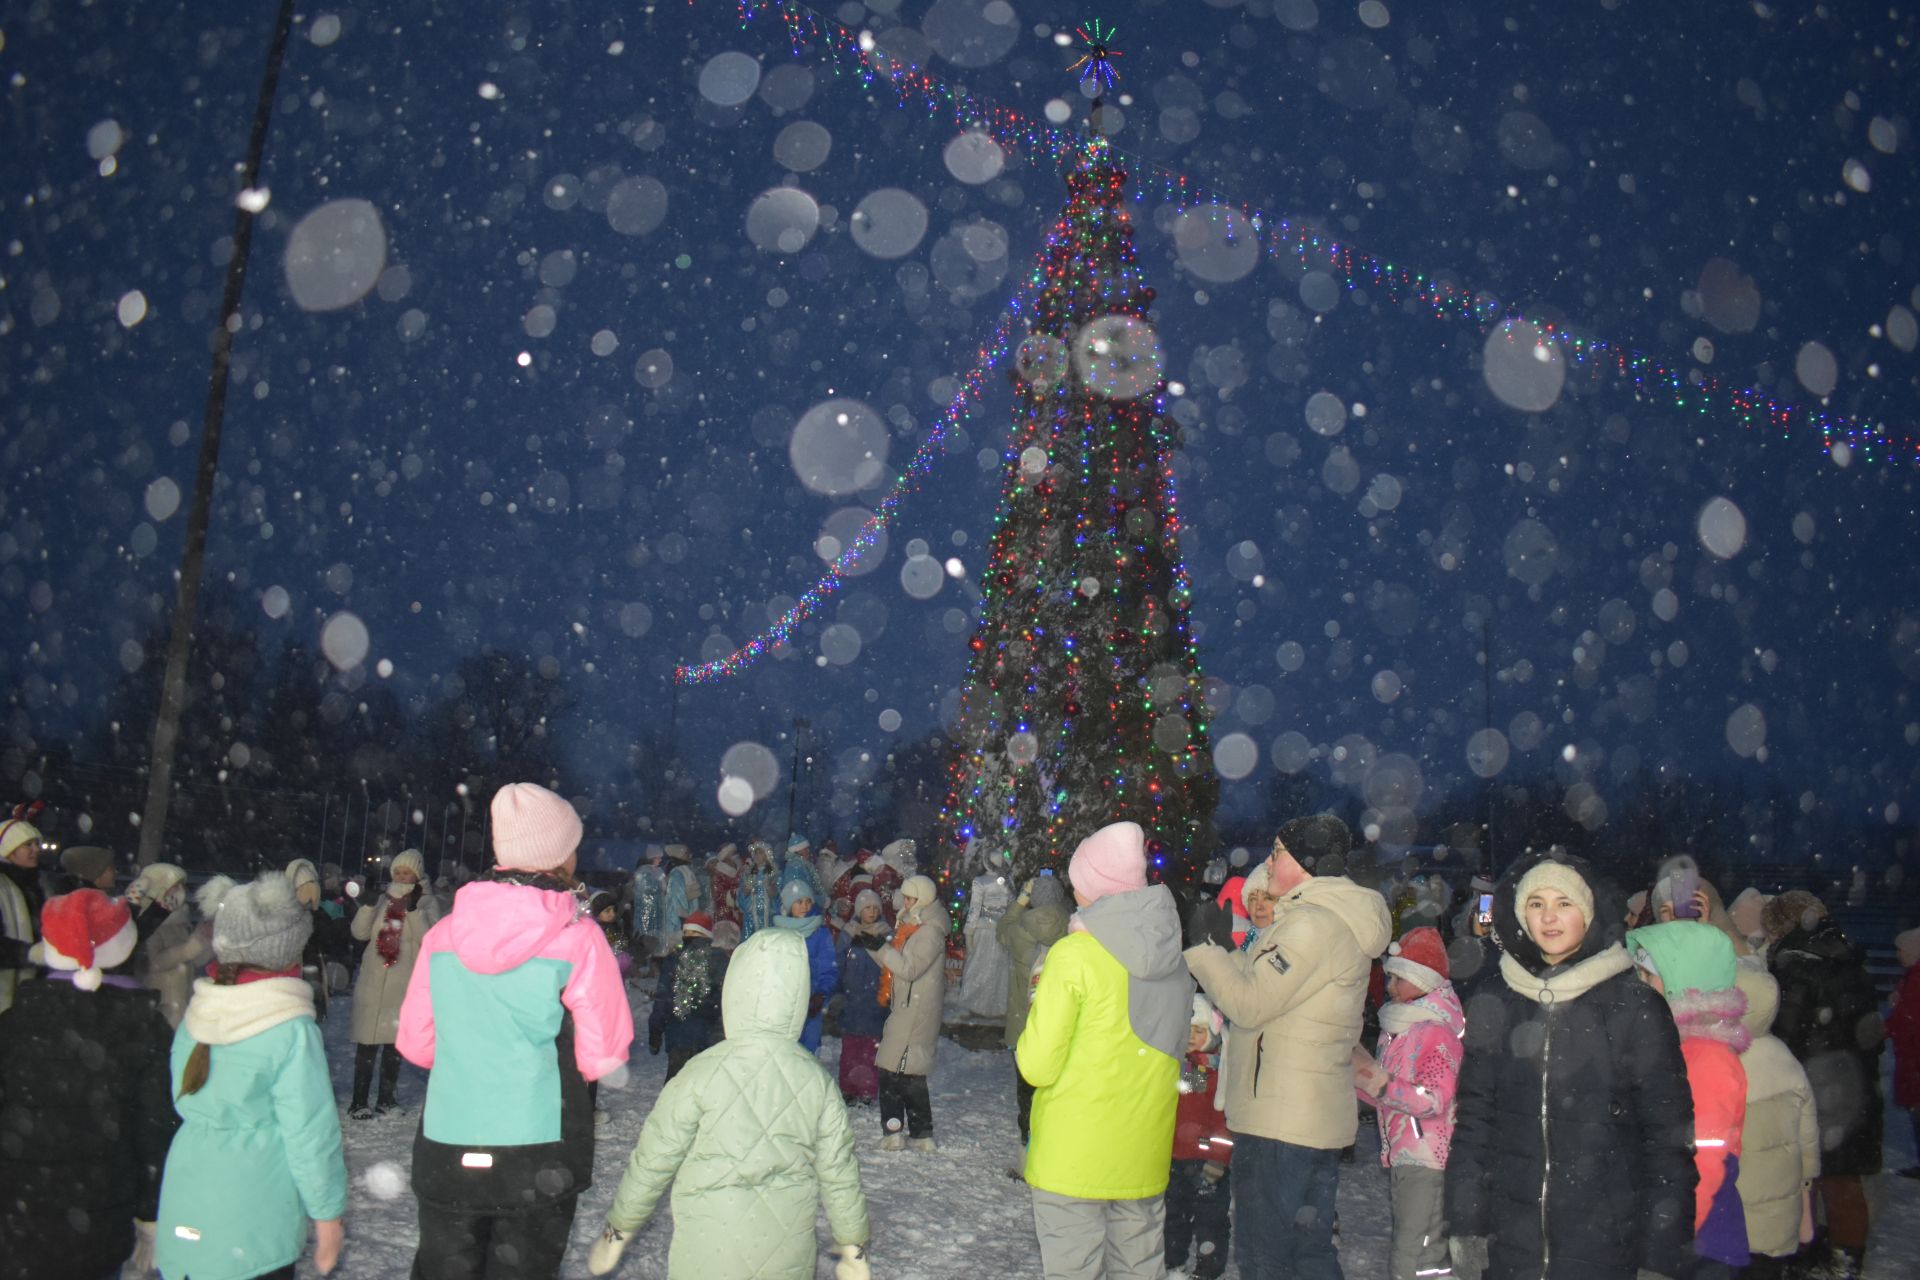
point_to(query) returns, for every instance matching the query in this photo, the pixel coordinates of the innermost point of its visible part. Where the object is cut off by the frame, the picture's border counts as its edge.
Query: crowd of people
(1566, 1081)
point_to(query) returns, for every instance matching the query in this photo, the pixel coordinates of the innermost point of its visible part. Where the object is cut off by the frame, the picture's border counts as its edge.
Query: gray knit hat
(261, 924)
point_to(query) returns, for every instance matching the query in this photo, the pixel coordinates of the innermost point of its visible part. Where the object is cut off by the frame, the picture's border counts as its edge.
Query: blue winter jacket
(862, 1014)
(821, 966)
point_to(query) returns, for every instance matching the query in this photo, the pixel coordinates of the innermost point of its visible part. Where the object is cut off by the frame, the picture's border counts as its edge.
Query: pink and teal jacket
(516, 1002)
(1420, 1050)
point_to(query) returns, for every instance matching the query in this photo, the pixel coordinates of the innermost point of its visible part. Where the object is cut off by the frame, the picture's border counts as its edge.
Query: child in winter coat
(1780, 1141)
(515, 1006)
(1691, 963)
(913, 989)
(686, 1001)
(1572, 1150)
(173, 948)
(85, 1101)
(605, 907)
(1197, 1196)
(752, 1135)
(798, 915)
(1102, 1048)
(1413, 1085)
(258, 1153)
(1903, 1029)
(862, 1016)
(393, 927)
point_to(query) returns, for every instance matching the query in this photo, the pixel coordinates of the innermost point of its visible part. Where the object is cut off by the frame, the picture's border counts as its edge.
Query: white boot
(893, 1142)
(924, 1146)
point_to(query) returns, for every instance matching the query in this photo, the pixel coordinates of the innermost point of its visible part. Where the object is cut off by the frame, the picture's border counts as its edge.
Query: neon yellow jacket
(1101, 1048)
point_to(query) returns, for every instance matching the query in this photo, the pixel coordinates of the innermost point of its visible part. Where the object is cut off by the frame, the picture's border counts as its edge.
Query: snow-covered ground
(935, 1217)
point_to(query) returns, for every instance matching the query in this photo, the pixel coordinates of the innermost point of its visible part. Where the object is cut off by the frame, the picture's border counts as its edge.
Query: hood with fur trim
(1607, 929)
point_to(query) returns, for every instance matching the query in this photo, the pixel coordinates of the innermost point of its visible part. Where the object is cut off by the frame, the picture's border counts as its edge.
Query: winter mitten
(1469, 1254)
(852, 1264)
(1213, 1171)
(618, 1078)
(141, 1263)
(1209, 922)
(606, 1252)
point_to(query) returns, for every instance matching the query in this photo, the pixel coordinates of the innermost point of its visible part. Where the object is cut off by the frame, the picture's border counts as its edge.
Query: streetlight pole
(173, 685)
(793, 777)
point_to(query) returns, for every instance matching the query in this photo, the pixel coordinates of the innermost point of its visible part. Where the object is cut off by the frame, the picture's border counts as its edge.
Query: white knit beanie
(1556, 875)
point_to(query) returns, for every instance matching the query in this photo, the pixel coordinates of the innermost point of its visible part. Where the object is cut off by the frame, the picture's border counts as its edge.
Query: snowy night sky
(546, 388)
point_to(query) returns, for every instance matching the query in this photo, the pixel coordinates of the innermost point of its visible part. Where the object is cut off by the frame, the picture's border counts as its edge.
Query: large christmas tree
(1083, 703)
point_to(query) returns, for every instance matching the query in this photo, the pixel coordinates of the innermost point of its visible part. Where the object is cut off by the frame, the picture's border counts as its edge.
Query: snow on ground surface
(945, 1216)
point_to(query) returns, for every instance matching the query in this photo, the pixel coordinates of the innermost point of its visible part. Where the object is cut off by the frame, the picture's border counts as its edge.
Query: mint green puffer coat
(752, 1134)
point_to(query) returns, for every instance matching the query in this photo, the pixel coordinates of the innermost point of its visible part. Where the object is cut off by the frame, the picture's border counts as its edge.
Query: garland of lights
(958, 411)
(1842, 436)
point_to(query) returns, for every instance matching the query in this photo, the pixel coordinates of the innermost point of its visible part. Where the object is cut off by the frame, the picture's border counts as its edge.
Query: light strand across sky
(857, 55)
(861, 59)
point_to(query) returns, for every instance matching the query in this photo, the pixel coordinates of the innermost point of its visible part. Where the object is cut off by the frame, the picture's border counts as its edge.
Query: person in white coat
(913, 986)
(392, 926)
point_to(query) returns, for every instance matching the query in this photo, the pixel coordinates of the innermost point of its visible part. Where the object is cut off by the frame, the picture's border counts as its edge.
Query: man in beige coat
(1295, 999)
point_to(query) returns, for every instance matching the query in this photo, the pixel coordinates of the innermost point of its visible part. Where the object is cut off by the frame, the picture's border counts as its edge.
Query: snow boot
(893, 1142)
(925, 1146)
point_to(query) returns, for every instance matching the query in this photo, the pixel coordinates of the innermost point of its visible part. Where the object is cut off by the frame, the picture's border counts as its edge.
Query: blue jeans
(1283, 1207)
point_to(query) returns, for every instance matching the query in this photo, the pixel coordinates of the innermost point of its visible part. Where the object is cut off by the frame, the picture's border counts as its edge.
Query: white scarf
(228, 1015)
(1568, 981)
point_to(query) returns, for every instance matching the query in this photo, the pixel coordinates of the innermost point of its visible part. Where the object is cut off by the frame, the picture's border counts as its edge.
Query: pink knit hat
(1111, 860)
(533, 829)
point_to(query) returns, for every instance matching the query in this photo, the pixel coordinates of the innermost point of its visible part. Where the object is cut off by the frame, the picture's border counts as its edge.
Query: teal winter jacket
(258, 1151)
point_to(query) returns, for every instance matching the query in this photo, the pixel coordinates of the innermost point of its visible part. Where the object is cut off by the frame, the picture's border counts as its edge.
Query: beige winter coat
(171, 959)
(919, 990)
(380, 988)
(1780, 1143)
(1295, 999)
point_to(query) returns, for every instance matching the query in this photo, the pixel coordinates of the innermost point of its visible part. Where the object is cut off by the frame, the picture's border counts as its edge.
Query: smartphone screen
(1486, 904)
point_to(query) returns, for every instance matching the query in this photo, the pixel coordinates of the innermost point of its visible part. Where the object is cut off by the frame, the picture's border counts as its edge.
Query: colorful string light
(1096, 63)
(1844, 437)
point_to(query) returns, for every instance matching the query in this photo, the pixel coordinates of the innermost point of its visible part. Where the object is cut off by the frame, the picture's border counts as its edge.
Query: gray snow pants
(1100, 1239)
(1419, 1250)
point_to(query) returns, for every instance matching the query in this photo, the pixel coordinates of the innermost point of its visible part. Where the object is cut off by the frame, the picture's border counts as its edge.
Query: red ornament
(977, 644)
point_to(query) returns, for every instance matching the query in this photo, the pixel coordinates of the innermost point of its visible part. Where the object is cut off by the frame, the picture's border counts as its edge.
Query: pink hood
(496, 927)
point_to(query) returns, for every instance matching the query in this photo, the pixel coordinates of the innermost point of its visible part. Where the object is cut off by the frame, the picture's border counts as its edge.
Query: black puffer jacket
(1572, 1150)
(86, 1115)
(1830, 1017)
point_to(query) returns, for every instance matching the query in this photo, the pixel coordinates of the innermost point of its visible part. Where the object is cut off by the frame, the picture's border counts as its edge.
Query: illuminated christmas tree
(1082, 704)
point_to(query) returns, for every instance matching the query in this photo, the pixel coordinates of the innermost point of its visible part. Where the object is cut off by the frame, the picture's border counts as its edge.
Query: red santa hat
(86, 933)
(700, 924)
(1419, 957)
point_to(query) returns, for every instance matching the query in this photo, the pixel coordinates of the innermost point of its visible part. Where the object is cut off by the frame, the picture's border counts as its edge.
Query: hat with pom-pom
(533, 829)
(1419, 957)
(86, 933)
(261, 924)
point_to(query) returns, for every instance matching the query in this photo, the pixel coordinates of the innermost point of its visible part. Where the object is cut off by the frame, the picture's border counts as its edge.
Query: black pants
(363, 1073)
(680, 1057)
(472, 1246)
(1023, 1104)
(278, 1273)
(904, 1103)
(1198, 1218)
